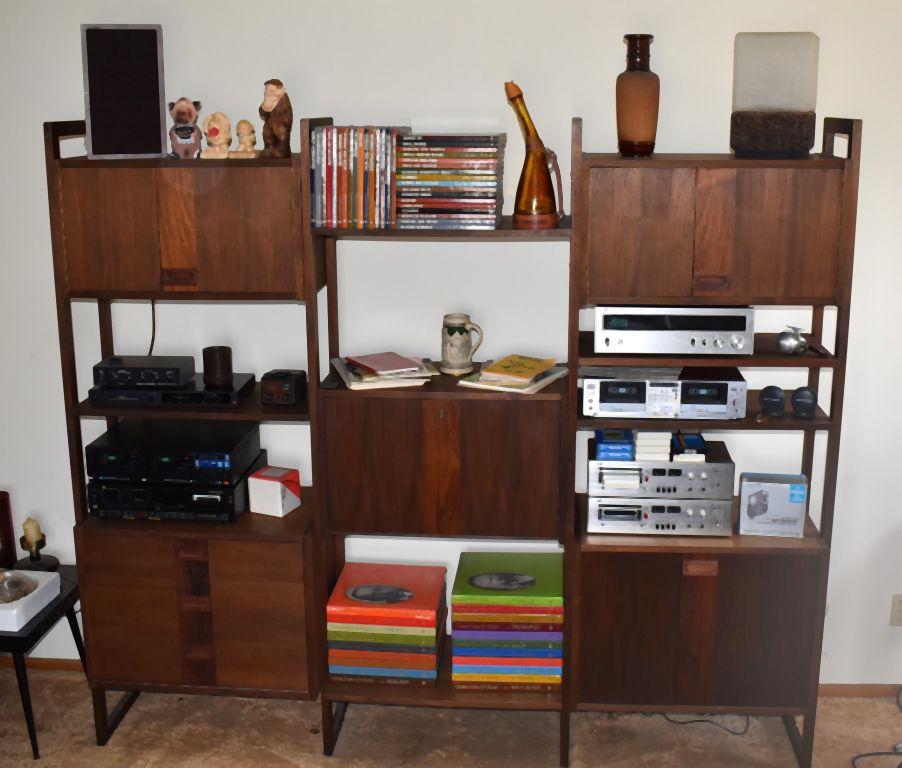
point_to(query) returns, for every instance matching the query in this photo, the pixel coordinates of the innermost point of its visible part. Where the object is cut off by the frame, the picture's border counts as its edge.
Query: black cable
(897, 750)
(706, 721)
(153, 325)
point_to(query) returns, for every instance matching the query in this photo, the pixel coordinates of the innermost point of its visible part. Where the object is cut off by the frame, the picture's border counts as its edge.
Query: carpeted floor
(213, 732)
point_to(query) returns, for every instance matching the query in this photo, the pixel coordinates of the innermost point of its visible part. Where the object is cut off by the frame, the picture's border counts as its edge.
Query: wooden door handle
(711, 282)
(700, 567)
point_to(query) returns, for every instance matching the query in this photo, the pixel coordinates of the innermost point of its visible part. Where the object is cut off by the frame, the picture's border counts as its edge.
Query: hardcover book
(509, 578)
(388, 590)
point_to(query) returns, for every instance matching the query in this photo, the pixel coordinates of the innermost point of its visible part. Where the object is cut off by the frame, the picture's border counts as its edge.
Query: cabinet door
(110, 229)
(442, 466)
(228, 229)
(629, 620)
(640, 232)
(769, 233)
(129, 594)
(259, 625)
(766, 614)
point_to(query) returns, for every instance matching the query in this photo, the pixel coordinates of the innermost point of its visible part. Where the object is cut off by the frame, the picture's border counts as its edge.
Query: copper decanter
(534, 206)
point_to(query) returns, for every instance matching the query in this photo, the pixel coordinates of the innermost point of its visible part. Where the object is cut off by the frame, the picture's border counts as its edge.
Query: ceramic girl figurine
(218, 131)
(247, 138)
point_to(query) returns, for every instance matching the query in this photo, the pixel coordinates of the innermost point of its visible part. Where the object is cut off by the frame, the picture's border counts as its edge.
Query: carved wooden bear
(184, 136)
(277, 116)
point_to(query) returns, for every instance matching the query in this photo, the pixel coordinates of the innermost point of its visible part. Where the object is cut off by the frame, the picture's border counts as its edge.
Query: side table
(20, 643)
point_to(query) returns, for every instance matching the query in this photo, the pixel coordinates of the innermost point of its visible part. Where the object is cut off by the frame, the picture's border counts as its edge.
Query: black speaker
(773, 401)
(804, 403)
(125, 108)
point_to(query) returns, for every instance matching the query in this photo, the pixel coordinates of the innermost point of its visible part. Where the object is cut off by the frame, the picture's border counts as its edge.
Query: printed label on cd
(379, 593)
(503, 582)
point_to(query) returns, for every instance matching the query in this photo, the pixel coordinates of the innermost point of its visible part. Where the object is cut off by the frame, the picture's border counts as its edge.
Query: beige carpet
(212, 732)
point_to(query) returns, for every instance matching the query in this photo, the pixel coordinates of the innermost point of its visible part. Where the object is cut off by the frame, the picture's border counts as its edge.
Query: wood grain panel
(109, 222)
(696, 640)
(510, 469)
(765, 629)
(440, 487)
(767, 232)
(640, 231)
(628, 624)
(247, 230)
(178, 226)
(259, 629)
(129, 594)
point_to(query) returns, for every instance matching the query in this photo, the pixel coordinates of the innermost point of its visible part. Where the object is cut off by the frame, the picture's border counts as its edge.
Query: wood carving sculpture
(277, 116)
(184, 136)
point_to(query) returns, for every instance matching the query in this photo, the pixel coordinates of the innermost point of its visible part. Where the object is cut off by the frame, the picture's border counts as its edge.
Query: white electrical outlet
(895, 616)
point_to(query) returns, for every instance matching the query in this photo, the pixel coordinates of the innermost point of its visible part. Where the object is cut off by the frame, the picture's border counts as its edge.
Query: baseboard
(858, 690)
(59, 665)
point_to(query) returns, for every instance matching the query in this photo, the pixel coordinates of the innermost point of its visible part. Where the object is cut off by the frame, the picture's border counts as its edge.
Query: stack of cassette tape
(660, 483)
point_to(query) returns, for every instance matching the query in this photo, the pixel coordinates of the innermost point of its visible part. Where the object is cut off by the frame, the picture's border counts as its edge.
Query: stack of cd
(385, 623)
(507, 614)
(449, 181)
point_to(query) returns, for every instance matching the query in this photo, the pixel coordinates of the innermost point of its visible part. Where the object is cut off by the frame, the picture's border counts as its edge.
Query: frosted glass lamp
(774, 94)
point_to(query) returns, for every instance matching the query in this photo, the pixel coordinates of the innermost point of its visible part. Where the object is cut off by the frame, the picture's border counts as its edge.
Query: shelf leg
(332, 722)
(106, 724)
(565, 738)
(802, 742)
(22, 679)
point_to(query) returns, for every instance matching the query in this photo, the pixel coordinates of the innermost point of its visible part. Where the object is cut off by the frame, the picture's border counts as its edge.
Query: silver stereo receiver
(675, 330)
(711, 479)
(675, 517)
(664, 393)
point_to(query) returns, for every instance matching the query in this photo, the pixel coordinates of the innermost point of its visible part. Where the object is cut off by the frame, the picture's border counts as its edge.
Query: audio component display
(676, 517)
(209, 452)
(664, 393)
(675, 330)
(711, 479)
(138, 371)
(195, 393)
(161, 501)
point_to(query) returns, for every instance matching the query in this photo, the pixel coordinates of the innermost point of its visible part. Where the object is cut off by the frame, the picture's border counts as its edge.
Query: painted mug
(457, 343)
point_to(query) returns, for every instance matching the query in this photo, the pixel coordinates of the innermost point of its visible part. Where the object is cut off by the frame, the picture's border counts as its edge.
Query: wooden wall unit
(676, 623)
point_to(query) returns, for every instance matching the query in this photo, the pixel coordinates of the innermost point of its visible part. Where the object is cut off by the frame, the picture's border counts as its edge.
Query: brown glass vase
(534, 206)
(638, 91)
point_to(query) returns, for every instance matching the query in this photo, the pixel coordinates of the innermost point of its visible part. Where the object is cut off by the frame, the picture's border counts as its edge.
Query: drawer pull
(700, 567)
(711, 282)
(179, 277)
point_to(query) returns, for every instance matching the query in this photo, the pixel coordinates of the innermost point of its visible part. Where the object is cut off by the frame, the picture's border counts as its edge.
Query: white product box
(274, 491)
(15, 615)
(772, 505)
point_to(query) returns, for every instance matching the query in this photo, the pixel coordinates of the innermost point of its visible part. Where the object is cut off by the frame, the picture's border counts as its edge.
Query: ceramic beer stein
(457, 344)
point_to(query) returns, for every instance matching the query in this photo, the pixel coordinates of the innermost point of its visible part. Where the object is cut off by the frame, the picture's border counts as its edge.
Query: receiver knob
(702, 513)
(718, 342)
(689, 513)
(737, 342)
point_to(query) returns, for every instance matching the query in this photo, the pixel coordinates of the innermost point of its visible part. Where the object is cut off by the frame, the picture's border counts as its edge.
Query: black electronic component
(195, 393)
(773, 401)
(283, 387)
(144, 371)
(804, 403)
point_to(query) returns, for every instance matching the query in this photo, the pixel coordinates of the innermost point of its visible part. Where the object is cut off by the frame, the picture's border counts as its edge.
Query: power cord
(153, 325)
(896, 750)
(706, 721)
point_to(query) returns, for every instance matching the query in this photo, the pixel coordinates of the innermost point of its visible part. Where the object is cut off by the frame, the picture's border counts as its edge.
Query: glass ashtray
(14, 586)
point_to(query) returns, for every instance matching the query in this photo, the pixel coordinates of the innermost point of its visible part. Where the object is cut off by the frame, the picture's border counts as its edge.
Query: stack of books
(385, 624)
(507, 614)
(516, 373)
(653, 446)
(383, 370)
(352, 176)
(450, 181)
(614, 445)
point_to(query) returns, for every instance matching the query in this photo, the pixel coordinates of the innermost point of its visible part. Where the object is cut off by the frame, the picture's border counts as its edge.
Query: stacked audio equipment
(685, 623)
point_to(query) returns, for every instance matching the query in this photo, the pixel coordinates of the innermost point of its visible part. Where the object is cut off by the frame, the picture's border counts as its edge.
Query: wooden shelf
(167, 162)
(765, 356)
(442, 386)
(504, 231)
(443, 694)
(790, 423)
(249, 409)
(810, 544)
(161, 295)
(709, 160)
(248, 526)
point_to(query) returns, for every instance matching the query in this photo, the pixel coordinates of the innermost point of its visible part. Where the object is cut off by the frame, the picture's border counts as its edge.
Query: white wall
(442, 66)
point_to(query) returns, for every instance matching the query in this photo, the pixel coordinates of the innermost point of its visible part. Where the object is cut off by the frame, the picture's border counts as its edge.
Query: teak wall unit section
(708, 625)
(168, 606)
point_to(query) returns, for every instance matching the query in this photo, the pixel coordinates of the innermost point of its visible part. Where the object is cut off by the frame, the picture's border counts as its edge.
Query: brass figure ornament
(534, 206)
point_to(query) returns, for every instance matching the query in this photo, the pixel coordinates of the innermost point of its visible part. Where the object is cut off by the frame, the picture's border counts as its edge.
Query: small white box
(772, 505)
(274, 491)
(15, 615)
